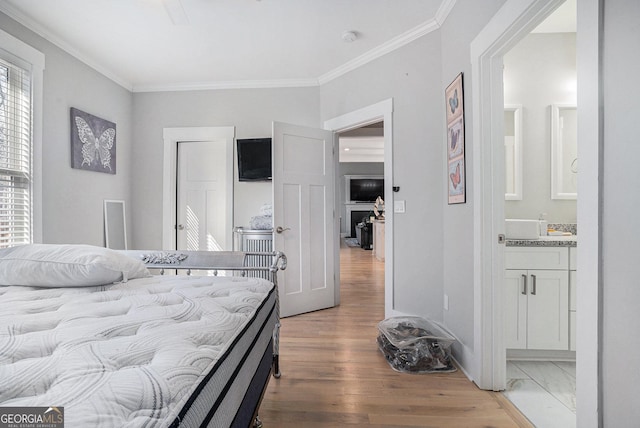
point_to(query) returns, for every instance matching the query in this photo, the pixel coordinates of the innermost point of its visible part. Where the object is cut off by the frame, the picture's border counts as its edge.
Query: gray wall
(620, 229)
(251, 111)
(72, 203)
(410, 76)
(466, 20)
(538, 72)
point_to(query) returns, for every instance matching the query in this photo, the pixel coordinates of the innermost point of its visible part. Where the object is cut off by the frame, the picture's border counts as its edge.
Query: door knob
(180, 227)
(280, 229)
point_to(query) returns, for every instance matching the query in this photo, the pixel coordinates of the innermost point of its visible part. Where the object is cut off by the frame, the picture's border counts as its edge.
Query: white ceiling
(365, 144)
(562, 20)
(194, 44)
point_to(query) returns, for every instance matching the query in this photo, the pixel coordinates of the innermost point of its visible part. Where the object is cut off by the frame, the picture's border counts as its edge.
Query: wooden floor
(333, 374)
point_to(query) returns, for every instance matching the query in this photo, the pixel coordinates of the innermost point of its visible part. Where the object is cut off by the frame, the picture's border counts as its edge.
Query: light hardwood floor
(333, 374)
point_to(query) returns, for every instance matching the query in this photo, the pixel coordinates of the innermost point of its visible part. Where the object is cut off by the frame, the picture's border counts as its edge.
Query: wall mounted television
(254, 159)
(364, 188)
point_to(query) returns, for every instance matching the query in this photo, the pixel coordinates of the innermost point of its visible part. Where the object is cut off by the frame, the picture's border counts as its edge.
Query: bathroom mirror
(115, 228)
(564, 151)
(513, 152)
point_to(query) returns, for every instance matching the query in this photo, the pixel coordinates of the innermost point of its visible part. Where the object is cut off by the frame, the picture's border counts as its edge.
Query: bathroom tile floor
(544, 391)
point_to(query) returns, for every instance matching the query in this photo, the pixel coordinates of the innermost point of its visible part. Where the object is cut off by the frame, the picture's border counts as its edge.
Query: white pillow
(46, 265)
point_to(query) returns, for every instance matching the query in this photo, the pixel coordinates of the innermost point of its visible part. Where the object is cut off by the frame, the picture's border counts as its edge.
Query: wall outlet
(446, 302)
(398, 206)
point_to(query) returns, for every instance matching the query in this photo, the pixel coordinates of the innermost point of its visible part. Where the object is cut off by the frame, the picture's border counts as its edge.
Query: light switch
(398, 206)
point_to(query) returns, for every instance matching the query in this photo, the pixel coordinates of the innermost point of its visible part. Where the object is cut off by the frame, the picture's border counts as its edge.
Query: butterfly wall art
(93, 142)
(456, 178)
(454, 104)
(455, 139)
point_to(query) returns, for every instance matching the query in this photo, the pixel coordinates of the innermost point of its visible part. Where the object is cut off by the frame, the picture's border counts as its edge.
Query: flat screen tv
(254, 159)
(365, 189)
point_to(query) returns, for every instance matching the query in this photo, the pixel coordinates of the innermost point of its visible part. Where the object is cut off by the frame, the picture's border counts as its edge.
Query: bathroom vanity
(540, 304)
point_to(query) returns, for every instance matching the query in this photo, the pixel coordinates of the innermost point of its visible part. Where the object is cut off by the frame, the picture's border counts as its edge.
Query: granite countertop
(545, 241)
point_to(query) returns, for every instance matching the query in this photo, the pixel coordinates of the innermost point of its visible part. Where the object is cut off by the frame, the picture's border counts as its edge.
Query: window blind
(15, 155)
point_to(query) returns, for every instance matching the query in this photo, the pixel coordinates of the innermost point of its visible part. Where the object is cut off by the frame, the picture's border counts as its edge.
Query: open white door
(304, 216)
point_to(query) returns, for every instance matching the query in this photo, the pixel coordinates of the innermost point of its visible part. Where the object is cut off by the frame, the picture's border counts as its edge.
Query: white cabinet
(573, 278)
(537, 298)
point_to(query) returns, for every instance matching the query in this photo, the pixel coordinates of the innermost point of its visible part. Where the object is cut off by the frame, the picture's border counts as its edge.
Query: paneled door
(202, 193)
(304, 217)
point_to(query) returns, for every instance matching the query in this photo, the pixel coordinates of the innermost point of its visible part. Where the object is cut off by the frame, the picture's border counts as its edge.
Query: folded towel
(266, 210)
(261, 222)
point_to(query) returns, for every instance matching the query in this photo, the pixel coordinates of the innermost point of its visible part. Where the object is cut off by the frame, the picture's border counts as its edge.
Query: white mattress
(142, 353)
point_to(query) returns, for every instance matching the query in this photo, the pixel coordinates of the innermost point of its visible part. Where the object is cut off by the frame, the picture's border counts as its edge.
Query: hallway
(333, 374)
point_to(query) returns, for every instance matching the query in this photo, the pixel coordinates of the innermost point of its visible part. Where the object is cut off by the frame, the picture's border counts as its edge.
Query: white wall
(539, 71)
(251, 111)
(465, 21)
(620, 227)
(73, 199)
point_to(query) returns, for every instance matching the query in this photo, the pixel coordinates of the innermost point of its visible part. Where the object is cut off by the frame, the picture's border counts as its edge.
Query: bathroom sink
(522, 229)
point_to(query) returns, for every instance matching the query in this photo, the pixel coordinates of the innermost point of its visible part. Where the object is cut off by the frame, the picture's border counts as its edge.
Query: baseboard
(461, 368)
(540, 355)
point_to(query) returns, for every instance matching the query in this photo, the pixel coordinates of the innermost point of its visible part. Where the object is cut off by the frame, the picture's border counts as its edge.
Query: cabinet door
(548, 310)
(515, 309)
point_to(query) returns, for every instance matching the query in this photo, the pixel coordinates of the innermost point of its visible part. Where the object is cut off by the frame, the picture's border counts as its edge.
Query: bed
(90, 331)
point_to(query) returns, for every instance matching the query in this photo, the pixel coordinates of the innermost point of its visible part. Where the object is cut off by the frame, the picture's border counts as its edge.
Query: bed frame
(242, 264)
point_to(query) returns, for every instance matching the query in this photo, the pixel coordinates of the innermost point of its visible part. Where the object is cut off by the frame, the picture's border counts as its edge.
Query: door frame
(515, 19)
(382, 110)
(172, 136)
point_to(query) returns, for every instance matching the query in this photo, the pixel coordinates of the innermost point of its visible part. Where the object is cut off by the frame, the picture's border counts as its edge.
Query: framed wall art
(93, 142)
(454, 98)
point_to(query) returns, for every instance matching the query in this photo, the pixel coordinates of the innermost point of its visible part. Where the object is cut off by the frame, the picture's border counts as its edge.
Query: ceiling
(562, 20)
(147, 45)
(364, 144)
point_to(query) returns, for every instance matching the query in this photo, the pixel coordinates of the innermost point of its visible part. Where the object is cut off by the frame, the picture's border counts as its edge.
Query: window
(17, 183)
(15, 155)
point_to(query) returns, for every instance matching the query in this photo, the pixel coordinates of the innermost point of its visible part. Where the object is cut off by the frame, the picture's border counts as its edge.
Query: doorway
(381, 112)
(361, 177)
(510, 24)
(222, 138)
(540, 74)
(360, 183)
(201, 197)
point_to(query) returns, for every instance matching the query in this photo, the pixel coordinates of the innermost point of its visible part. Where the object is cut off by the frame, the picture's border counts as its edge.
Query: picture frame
(456, 174)
(93, 142)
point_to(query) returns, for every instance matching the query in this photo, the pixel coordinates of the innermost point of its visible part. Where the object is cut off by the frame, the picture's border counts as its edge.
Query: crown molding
(443, 11)
(397, 42)
(390, 46)
(229, 84)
